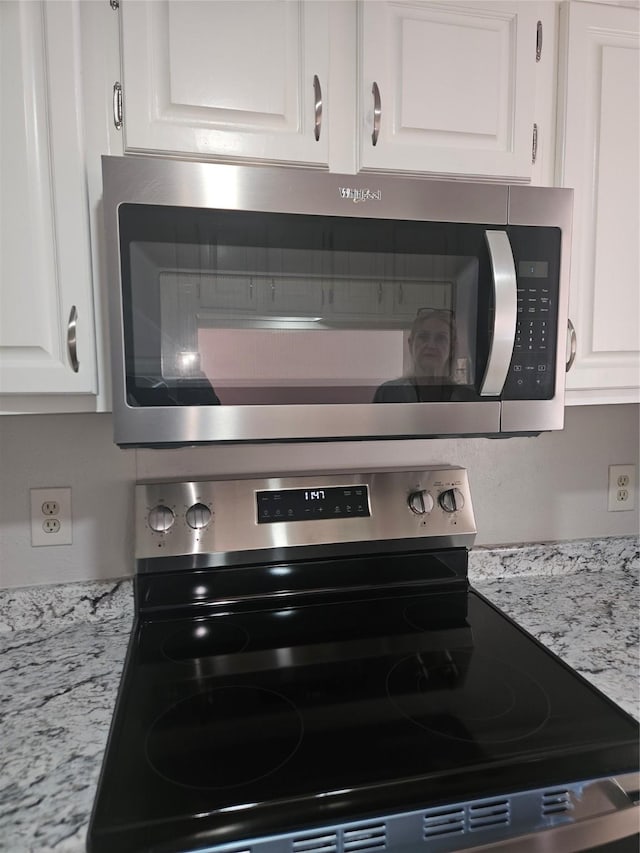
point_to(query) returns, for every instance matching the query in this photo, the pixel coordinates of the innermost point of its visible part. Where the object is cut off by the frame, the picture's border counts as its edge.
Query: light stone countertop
(63, 648)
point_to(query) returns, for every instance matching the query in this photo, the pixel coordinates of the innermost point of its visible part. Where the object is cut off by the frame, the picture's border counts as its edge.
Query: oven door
(242, 315)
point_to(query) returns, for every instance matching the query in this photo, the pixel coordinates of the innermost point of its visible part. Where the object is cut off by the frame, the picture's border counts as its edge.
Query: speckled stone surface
(59, 684)
(553, 559)
(62, 649)
(63, 604)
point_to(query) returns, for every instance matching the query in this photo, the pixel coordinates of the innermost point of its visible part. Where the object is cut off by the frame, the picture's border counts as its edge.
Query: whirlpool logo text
(357, 196)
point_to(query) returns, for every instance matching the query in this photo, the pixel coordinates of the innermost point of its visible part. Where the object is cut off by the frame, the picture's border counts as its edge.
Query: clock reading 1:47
(314, 495)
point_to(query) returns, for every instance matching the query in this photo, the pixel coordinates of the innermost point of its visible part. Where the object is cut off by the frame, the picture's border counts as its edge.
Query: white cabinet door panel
(601, 163)
(457, 87)
(45, 262)
(226, 78)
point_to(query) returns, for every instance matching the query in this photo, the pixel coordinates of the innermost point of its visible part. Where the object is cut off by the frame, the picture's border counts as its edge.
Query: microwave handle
(505, 291)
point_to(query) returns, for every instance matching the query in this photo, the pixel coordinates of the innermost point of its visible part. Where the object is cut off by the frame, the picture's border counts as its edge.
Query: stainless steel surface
(602, 814)
(377, 113)
(72, 339)
(296, 423)
(317, 98)
(192, 184)
(233, 523)
(505, 290)
(572, 344)
(117, 106)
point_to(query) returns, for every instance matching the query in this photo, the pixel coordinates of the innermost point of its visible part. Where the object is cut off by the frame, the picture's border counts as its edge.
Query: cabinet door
(600, 161)
(45, 261)
(456, 87)
(226, 78)
(296, 295)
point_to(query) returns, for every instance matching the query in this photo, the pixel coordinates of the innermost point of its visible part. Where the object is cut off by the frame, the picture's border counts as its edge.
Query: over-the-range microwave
(252, 303)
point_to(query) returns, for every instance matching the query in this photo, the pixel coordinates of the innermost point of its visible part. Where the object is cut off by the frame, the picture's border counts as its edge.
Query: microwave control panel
(533, 365)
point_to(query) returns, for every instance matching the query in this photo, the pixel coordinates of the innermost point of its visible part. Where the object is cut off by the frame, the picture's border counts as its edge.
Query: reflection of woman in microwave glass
(432, 346)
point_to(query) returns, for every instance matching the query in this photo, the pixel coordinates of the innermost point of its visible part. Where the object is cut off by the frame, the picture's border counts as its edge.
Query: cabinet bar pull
(377, 112)
(539, 41)
(317, 98)
(573, 340)
(72, 340)
(117, 105)
(534, 144)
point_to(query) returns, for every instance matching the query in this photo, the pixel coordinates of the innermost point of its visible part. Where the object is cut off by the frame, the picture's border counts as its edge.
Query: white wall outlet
(50, 517)
(622, 487)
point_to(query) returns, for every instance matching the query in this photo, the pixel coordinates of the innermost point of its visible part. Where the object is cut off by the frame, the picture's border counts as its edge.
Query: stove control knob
(161, 518)
(421, 502)
(451, 500)
(198, 516)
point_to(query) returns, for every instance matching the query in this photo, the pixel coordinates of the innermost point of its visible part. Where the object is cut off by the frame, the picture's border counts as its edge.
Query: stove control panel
(231, 516)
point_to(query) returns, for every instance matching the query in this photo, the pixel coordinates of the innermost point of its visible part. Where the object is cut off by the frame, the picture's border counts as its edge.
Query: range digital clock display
(312, 503)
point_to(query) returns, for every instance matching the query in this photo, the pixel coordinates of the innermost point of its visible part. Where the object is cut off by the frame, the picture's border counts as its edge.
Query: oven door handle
(505, 291)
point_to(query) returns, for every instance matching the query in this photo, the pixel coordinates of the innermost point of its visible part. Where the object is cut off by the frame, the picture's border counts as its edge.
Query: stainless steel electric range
(310, 672)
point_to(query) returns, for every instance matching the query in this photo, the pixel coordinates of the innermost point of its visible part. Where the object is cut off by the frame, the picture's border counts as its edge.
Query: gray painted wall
(549, 488)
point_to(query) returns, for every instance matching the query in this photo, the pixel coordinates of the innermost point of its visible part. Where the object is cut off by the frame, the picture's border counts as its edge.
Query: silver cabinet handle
(377, 112)
(72, 340)
(317, 98)
(117, 106)
(572, 345)
(506, 313)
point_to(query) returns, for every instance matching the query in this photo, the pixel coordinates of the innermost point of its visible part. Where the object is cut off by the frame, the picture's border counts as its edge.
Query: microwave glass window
(236, 308)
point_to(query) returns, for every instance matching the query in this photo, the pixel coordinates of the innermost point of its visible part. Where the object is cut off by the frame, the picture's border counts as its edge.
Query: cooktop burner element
(466, 696)
(333, 684)
(215, 739)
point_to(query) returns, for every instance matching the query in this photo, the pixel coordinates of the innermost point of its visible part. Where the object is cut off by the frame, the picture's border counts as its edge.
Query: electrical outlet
(622, 487)
(51, 517)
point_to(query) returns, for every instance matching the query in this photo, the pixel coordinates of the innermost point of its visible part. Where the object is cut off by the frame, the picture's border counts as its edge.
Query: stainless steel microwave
(253, 303)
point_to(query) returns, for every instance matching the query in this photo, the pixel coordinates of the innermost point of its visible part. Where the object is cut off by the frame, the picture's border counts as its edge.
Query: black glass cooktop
(243, 721)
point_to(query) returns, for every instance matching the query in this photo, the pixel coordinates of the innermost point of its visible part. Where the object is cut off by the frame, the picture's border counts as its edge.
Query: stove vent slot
(445, 821)
(555, 802)
(494, 813)
(366, 839)
(327, 843)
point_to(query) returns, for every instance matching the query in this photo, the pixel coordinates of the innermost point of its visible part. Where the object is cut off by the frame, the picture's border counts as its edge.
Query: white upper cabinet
(600, 159)
(291, 81)
(47, 332)
(448, 88)
(227, 79)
